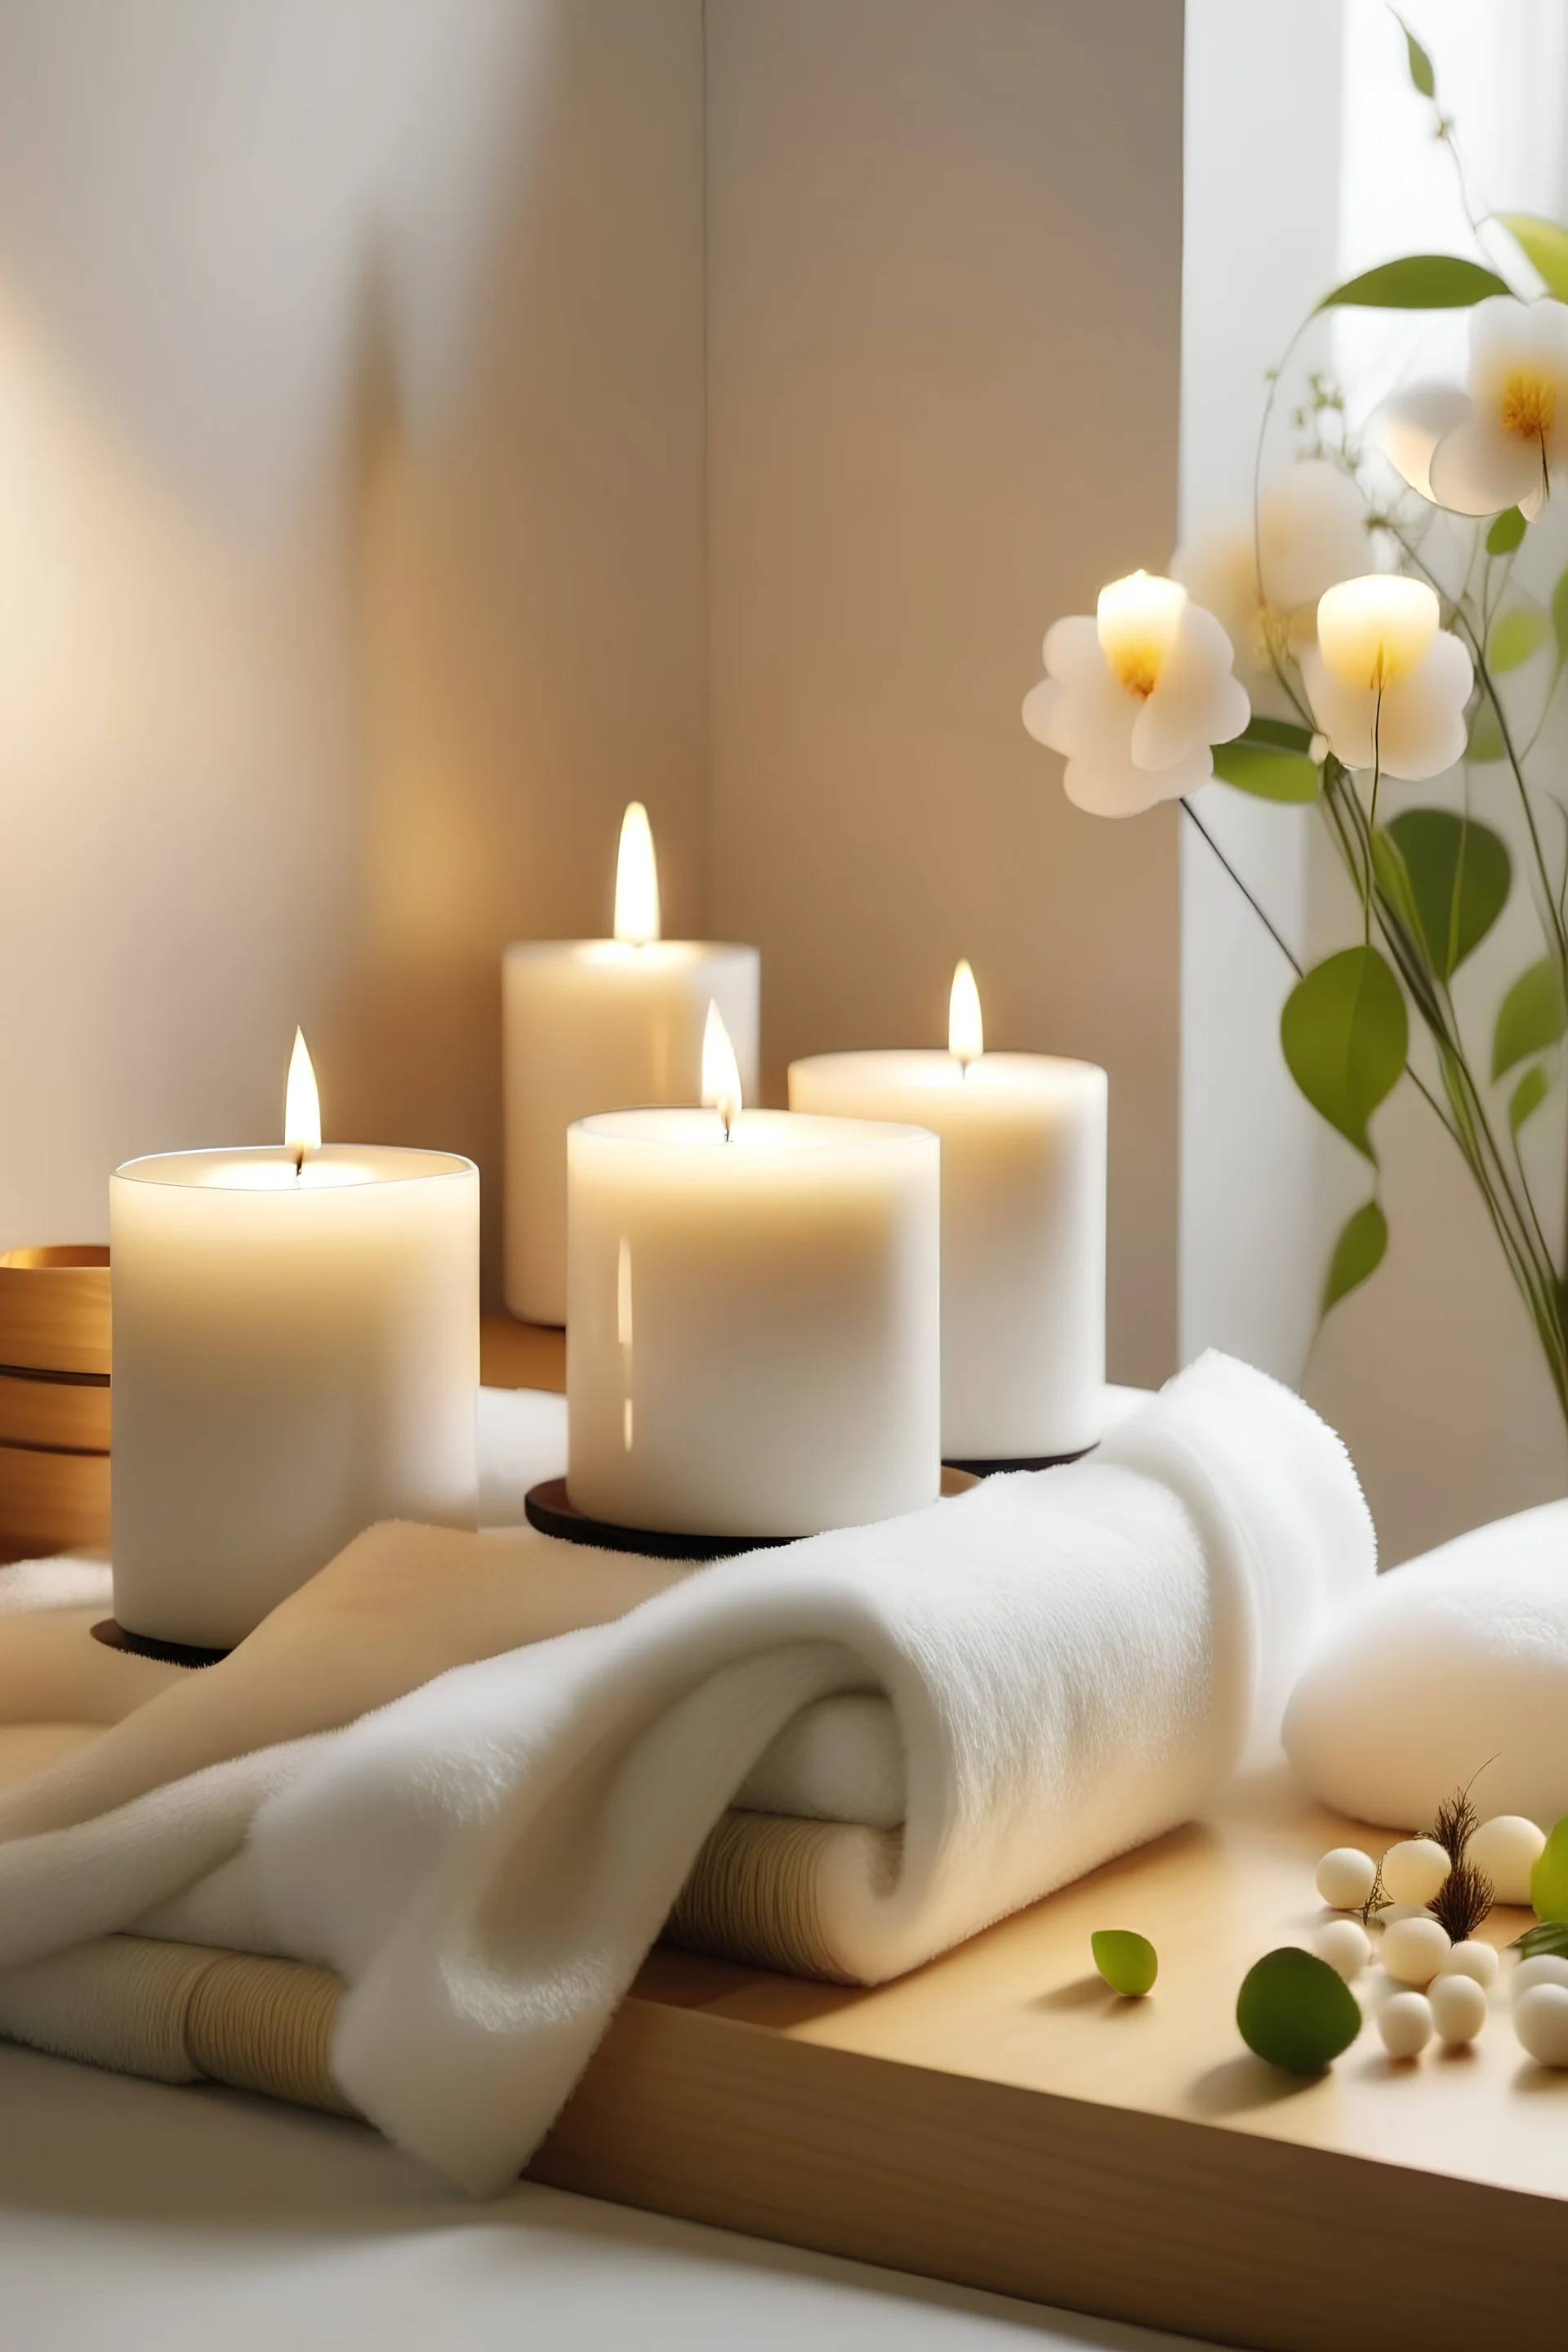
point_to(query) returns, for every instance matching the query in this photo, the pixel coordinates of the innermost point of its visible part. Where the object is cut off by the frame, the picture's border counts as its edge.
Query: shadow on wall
(351, 389)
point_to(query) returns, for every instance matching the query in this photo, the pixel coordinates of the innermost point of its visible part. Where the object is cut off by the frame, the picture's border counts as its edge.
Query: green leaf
(1296, 2012)
(1549, 1879)
(1358, 1253)
(1421, 281)
(1560, 616)
(1344, 1033)
(1506, 533)
(1533, 1016)
(1527, 1096)
(1547, 1935)
(1128, 1961)
(1484, 741)
(1545, 243)
(1421, 72)
(1267, 773)
(1283, 733)
(1460, 878)
(1516, 636)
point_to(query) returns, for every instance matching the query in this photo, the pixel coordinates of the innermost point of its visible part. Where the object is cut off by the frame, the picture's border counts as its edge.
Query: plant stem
(1295, 966)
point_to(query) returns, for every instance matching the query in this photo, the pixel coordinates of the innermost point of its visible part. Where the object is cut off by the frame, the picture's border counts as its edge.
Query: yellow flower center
(1137, 620)
(1529, 404)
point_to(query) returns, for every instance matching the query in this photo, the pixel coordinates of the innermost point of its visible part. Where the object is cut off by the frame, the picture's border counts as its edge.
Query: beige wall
(351, 549)
(363, 472)
(944, 270)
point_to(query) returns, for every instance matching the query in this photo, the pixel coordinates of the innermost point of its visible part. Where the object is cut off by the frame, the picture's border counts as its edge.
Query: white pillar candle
(295, 1355)
(603, 1024)
(752, 1336)
(1023, 1227)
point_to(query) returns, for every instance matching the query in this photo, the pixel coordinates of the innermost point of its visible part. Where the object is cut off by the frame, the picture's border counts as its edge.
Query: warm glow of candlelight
(1137, 620)
(301, 1105)
(720, 1073)
(636, 881)
(1374, 630)
(966, 1032)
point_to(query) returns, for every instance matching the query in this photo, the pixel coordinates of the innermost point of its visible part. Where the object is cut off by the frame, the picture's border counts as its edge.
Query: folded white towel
(1457, 1662)
(1076, 1660)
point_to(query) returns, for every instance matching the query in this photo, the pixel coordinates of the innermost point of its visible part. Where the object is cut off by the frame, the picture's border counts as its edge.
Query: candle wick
(299, 1163)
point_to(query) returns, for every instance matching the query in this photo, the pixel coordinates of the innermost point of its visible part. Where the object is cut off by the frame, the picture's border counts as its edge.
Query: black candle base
(549, 1508)
(114, 1636)
(992, 1468)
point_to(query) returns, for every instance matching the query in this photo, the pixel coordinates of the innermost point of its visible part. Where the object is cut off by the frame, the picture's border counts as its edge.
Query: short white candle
(752, 1336)
(295, 1355)
(603, 1024)
(1023, 1227)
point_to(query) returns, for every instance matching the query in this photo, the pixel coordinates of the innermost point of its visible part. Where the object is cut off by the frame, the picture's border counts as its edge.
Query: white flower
(1135, 696)
(1388, 687)
(1497, 442)
(1312, 523)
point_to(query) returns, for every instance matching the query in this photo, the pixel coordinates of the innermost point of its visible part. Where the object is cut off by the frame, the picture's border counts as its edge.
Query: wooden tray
(54, 1409)
(54, 1309)
(51, 1502)
(1000, 2119)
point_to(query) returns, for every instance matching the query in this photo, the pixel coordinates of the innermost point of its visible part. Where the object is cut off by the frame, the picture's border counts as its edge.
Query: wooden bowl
(49, 1502)
(54, 1310)
(54, 1409)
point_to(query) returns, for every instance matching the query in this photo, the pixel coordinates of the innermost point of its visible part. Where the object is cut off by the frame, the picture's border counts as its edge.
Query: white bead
(1472, 1958)
(1405, 2021)
(1414, 1870)
(1541, 2021)
(1507, 1848)
(1346, 1877)
(1458, 2008)
(1414, 1950)
(1546, 1967)
(1346, 1945)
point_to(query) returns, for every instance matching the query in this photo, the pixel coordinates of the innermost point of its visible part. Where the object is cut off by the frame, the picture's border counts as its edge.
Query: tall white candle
(295, 1355)
(1023, 1227)
(751, 1340)
(603, 1024)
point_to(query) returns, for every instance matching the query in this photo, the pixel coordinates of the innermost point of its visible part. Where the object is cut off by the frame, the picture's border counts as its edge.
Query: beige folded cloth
(182, 2013)
(401, 1605)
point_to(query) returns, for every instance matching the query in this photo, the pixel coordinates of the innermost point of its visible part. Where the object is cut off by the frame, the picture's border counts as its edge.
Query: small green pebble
(1549, 1879)
(1128, 1961)
(1296, 2012)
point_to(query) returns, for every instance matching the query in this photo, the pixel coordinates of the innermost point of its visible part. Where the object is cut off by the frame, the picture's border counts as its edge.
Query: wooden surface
(521, 1355)
(51, 1409)
(51, 1501)
(54, 1310)
(1000, 2119)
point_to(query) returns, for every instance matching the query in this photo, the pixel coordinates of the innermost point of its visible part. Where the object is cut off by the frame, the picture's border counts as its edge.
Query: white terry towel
(1077, 1660)
(1453, 1669)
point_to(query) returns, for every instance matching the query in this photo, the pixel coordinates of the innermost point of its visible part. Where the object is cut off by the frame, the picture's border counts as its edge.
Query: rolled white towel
(1457, 1662)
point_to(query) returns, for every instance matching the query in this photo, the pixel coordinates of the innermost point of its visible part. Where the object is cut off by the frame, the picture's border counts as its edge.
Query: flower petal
(1408, 428)
(1041, 706)
(1072, 649)
(1479, 470)
(1312, 533)
(1196, 700)
(1344, 712)
(1421, 728)
(1105, 787)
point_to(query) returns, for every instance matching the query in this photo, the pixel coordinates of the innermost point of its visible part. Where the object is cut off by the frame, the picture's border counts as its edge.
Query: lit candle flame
(301, 1105)
(965, 1037)
(720, 1072)
(636, 881)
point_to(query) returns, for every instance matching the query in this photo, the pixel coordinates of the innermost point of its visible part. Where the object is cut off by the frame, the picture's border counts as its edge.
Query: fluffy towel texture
(1456, 1658)
(1075, 1661)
